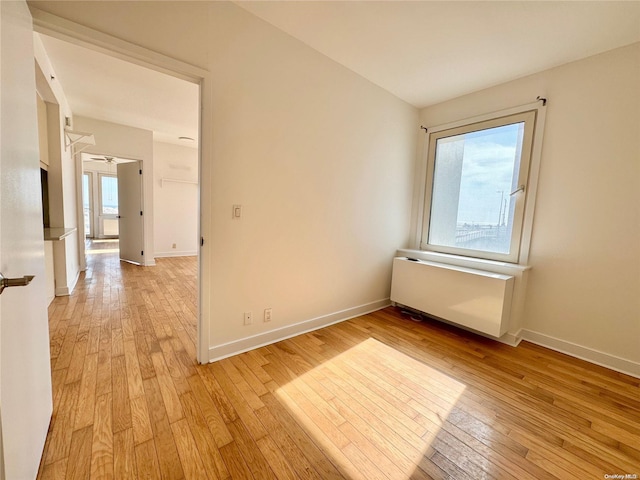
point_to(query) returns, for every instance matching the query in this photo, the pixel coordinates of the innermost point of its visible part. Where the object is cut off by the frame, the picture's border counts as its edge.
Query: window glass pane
(85, 190)
(473, 176)
(86, 205)
(109, 200)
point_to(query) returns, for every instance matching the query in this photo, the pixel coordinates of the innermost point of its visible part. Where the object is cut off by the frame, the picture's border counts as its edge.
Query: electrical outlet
(247, 318)
(173, 245)
(267, 314)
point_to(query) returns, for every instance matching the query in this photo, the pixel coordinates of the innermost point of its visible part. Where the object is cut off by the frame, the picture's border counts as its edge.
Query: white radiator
(472, 298)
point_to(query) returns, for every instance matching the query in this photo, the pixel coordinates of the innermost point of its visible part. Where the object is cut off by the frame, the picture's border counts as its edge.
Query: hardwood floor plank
(165, 443)
(220, 399)
(54, 471)
(375, 397)
(275, 459)
(209, 453)
(212, 416)
(102, 443)
(147, 461)
(79, 462)
(63, 359)
(124, 456)
(289, 448)
(302, 438)
(61, 429)
(167, 388)
(121, 399)
(140, 420)
(235, 398)
(249, 395)
(188, 451)
(238, 468)
(134, 379)
(250, 451)
(144, 355)
(87, 399)
(174, 368)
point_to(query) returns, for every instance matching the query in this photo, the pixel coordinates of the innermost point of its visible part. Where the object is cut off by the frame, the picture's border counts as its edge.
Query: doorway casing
(57, 27)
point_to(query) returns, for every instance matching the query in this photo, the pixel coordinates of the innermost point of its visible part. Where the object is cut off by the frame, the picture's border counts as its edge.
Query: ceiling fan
(106, 159)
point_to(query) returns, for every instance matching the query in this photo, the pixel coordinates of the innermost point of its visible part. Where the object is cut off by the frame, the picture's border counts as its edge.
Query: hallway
(126, 331)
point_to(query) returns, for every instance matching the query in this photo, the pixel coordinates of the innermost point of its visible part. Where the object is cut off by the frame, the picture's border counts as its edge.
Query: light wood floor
(376, 397)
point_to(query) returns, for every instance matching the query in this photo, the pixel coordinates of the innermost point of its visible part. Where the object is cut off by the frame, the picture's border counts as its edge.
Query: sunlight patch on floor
(101, 250)
(374, 409)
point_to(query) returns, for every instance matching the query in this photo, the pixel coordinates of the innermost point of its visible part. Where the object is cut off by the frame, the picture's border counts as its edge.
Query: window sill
(466, 262)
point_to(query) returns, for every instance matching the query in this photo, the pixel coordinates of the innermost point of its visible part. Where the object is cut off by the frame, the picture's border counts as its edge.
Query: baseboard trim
(236, 347)
(591, 355)
(67, 289)
(62, 292)
(511, 339)
(176, 254)
(74, 283)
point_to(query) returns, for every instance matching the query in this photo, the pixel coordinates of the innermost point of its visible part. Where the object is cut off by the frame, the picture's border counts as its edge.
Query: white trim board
(77, 34)
(193, 253)
(622, 365)
(218, 352)
(81, 35)
(68, 289)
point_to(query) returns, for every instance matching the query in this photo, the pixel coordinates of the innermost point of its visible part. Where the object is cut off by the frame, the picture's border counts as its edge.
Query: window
(477, 180)
(86, 203)
(108, 195)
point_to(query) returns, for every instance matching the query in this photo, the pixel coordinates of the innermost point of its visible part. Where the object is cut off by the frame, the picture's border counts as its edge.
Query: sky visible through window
(487, 175)
(474, 175)
(109, 195)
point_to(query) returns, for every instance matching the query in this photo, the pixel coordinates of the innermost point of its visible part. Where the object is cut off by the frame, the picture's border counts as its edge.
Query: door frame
(63, 29)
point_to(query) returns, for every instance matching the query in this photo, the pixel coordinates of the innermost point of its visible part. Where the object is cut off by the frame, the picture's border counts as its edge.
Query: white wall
(63, 192)
(117, 140)
(320, 159)
(584, 288)
(175, 200)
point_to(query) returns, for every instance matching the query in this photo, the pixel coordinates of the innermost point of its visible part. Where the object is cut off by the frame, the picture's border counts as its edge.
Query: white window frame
(91, 204)
(534, 116)
(101, 175)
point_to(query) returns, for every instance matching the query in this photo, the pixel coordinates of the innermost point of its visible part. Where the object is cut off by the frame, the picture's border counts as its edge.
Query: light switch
(237, 211)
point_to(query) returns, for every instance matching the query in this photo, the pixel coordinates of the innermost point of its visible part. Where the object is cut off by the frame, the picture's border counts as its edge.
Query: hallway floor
(116, 344)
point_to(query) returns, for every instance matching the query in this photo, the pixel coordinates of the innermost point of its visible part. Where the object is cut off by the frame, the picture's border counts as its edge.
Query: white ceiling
(106, 88)
(424, 52)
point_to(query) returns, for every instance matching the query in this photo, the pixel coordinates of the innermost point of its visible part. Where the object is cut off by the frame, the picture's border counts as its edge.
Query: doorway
(173, 172)
(112, 200)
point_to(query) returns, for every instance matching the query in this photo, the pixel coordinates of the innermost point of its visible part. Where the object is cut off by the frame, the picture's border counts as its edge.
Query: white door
(130, 213)
(25, 374)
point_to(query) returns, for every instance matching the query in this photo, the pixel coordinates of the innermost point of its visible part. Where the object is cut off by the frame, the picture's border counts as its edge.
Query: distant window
(108, 195)
(476, 182)
(86, 203)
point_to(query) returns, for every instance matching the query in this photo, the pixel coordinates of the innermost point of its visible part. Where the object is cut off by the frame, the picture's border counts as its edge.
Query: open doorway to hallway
(135, 115)
(113, 206)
